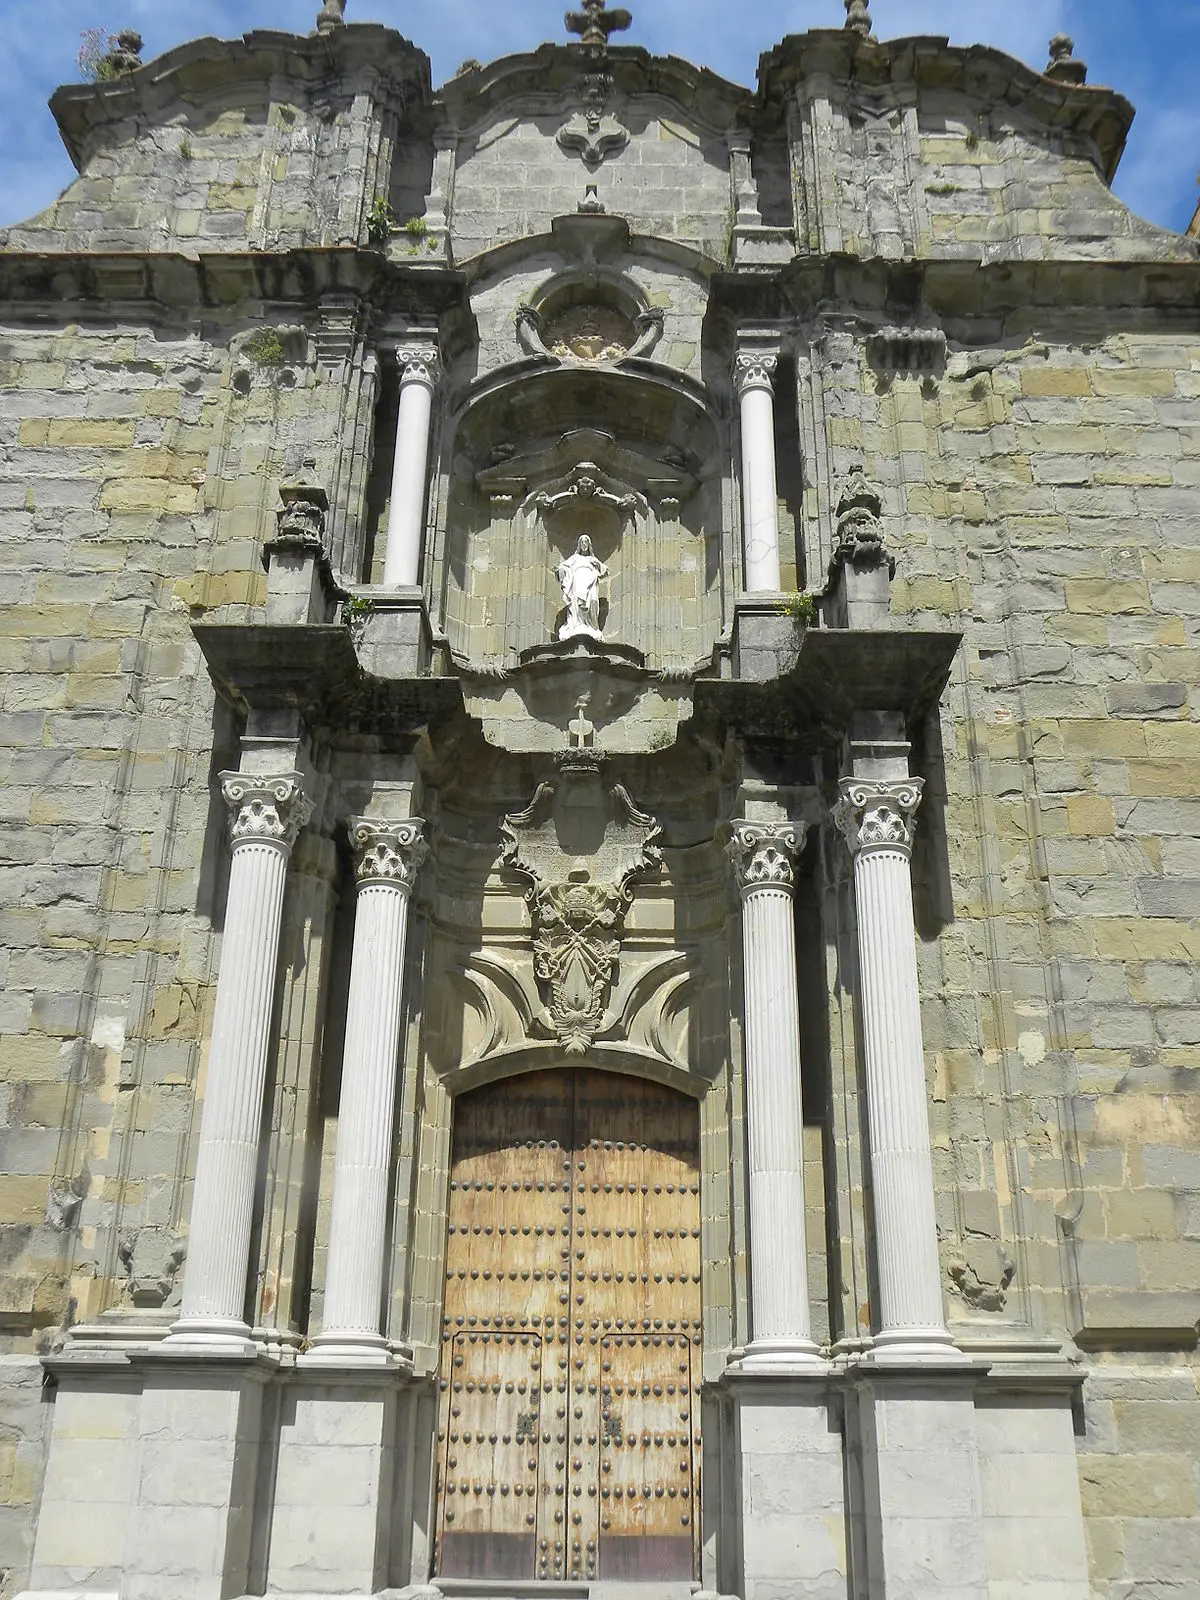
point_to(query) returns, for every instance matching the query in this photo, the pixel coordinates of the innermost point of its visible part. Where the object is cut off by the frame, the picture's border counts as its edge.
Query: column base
(209, 1336)
(342, 1350)
(781, 1356)
(908, 1347)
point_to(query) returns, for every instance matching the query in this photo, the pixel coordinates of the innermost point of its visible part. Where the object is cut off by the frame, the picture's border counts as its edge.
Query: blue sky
(1149, 49)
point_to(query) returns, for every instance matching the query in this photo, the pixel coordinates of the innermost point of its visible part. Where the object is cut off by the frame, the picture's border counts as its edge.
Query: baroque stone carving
(388, 852)
(858, 507)
(419, 363)
(594, 22)
(592, 135)
(265, 810)
(589, 333)
(754, 369)
(764, 854)
(300, 519)
(579, 844)
(878, 815)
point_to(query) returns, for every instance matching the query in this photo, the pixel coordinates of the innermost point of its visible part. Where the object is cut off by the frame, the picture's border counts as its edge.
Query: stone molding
(754, 369)
(764, 854)
(874, 814)
(388, 852)
(265, 810)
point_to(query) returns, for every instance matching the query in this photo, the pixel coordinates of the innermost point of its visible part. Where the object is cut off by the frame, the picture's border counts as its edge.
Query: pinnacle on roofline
(595, 22)
(858, 18)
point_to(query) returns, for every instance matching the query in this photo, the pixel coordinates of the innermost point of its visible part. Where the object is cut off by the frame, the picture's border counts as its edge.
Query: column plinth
(763, 857)
(753, 373)
(266, 814)
(878, 821)
(419, 371)
(388, 858)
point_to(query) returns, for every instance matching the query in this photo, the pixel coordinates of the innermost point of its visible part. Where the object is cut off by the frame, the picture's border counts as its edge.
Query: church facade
(601, 878)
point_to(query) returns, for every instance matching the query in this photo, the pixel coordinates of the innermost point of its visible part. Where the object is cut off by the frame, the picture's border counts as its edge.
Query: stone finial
(331, 15)
(858, 18)
(125, 55)
(1062, 64)
(595, 22)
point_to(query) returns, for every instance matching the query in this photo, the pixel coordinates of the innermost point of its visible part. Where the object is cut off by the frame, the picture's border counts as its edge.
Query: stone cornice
(241, 281)
(80, 284)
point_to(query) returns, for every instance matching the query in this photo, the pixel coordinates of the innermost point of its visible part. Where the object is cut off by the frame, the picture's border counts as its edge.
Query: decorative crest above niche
(587, 462)
(588, 330)
(579, 844)
(593, 133)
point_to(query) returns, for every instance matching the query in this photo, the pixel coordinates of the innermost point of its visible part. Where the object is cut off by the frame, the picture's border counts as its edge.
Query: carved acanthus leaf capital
(754, 369)
(764, 854)
(265, 810)
(388, 852)
(419, 363)
(877, 815)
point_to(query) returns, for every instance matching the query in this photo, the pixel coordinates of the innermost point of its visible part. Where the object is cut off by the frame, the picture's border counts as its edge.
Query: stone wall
(24, 1438)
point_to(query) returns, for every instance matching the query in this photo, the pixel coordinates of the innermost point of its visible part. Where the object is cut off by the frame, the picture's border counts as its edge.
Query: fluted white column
(753, 374)
(878, 821)
(764, 860)
(266, 814)
(388, 857)
(419, 371)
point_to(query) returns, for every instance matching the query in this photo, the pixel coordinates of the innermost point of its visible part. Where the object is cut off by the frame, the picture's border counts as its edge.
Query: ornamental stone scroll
(877, 815)
(388, 852)
(265, 810)
(764, 854)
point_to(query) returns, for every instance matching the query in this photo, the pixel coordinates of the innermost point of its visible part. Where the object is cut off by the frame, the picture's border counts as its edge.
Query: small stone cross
(582, 733)
(595, 22)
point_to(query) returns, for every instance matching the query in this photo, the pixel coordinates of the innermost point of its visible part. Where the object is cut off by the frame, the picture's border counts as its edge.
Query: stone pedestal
(419, 370)
(192, 1529)
(332, 1521)
(396, 640)
(793, 1512)
(91, 1479)
(922, 1493)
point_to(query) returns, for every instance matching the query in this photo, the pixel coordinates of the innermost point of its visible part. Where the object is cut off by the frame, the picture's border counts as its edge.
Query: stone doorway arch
(568, 1433)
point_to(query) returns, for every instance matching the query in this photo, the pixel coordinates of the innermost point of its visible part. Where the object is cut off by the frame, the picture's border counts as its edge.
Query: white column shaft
(406, 517)
(214, 1291)
(779, 1259)
(760, 495)
(358, 1223)
(901, 1160)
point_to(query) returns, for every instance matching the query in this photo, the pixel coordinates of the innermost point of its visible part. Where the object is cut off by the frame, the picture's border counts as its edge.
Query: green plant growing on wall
(356, 608)
(186, 151)
(95, 47)
(380, 220)
(416, 227)
(801, 608)
(265, 348)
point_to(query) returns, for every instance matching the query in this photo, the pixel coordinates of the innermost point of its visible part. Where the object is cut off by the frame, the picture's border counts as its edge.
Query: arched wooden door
(568, 1442)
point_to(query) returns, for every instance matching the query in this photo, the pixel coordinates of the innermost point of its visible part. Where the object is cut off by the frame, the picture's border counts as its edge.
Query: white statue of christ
(580, 576)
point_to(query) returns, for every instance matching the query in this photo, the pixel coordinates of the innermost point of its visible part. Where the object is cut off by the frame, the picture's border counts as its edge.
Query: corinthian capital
(265, 810)
(419, 363)
(764, 854)
(875, 815)
(754, 369)
(388, 852)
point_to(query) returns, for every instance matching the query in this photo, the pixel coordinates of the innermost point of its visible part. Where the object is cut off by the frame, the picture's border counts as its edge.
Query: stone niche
(583, 429)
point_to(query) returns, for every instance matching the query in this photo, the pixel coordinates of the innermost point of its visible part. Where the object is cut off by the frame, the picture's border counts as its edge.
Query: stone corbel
(858, 594)
(300, 584)
(906, 349)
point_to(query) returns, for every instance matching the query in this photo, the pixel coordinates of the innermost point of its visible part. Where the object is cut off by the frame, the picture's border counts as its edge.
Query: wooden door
(569, 1430)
